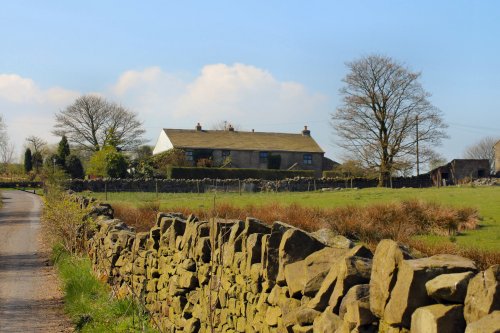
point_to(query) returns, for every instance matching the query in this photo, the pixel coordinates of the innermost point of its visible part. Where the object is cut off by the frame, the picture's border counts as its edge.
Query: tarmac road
(30, 300)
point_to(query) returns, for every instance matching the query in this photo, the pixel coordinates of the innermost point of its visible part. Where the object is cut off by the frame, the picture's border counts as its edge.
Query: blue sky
(265, 65)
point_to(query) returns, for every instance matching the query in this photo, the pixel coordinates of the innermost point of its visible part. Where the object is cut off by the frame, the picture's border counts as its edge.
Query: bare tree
(6, 147)
(483, 149)
(37, 144)
(431, 159)
(91, 123)
(385, 114)
(3, 132)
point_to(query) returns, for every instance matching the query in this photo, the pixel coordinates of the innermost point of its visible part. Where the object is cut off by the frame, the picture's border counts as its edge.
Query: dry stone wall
(298, 184)
(247, 276)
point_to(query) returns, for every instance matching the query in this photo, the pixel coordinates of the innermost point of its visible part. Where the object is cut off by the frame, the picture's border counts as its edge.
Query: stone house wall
(250, 159)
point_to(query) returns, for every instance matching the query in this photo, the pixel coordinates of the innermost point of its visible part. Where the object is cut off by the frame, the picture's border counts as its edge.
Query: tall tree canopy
(385, 115)
(92, 123)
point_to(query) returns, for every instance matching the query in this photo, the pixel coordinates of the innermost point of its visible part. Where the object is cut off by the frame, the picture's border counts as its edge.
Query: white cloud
(246, 95)
(28, 109)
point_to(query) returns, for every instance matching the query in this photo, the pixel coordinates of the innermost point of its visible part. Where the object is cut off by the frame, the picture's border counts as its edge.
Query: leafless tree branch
(383, 105)
(91, 123)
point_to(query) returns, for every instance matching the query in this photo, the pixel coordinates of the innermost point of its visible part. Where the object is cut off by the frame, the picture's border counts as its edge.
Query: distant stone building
(458, 170)
(497, 158)
(246, 149)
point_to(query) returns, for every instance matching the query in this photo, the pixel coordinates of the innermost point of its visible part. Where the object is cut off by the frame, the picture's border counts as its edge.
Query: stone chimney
(198, 127)
(230, 128)
(306, 132)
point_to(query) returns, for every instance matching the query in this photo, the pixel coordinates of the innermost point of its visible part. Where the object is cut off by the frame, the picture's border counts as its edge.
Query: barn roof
(239, 140)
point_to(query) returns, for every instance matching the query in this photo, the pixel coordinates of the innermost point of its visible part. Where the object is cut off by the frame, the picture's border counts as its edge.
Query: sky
(263, 65)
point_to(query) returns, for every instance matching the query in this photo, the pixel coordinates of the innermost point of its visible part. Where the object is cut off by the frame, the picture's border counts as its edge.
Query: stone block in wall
(449, 288)
(192, 325)
(253, 250)
(295, 278)
(409, 292)
(438, 318)
(203, 250)
(233, 244)
(317, 266)
(278, 229)
(351, 271)
(487, 324)
(331, 239)
(295, 245)
(189, 238)
(483, 294)
(356, 313)
(273, 316)
(140, 242)
(174, 232)
(153, 242)
(186, 279)
(321, 299)
(327, 322)
(302, 316)
(386, 261)
(356, 293)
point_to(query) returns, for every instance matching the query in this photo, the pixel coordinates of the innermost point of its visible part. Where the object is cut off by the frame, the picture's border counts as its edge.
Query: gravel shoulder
(30, 296)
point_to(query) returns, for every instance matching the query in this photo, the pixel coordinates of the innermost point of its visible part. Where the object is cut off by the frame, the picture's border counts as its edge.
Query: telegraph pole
(418, 159)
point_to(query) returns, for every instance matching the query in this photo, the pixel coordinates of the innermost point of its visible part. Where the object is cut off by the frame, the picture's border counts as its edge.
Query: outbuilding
(459, 170)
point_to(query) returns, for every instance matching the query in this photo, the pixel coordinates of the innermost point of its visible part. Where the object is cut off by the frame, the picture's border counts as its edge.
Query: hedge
(233, 173)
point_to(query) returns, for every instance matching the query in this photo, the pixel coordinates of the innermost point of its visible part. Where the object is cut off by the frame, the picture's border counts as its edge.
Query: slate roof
(238, 140)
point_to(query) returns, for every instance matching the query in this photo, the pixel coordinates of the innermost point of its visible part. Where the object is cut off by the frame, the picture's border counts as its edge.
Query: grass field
(485, 199)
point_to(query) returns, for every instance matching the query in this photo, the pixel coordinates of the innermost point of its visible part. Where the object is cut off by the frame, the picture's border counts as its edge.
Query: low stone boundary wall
(234, 185)
(247, 276)
(21, 184)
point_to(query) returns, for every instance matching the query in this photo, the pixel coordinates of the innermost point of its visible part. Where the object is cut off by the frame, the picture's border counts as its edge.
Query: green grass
(485, 199)
(89, 302)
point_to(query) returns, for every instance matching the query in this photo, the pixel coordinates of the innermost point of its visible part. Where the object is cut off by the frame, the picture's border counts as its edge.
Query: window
(308, 159)
(263, 155)
(189, 156)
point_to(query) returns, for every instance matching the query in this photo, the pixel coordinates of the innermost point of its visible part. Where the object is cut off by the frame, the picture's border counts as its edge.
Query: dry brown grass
(142, 217)
(483, 258)
(398, 221)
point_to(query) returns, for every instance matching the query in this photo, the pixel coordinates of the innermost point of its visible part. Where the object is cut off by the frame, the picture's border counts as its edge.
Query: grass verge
(89, 302)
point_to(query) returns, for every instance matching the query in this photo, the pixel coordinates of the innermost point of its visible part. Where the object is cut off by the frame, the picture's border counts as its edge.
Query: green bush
(233, 173)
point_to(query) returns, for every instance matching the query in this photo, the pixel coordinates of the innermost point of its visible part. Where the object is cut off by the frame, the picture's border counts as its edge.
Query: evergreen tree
(63, 150)
(74, 167)
(28, 161)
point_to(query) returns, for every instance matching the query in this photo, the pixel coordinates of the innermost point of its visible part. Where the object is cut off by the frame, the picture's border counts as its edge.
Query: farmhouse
(459, 169)
(241, 149)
